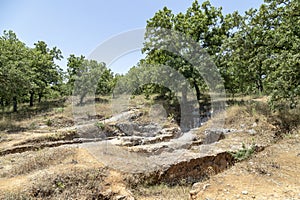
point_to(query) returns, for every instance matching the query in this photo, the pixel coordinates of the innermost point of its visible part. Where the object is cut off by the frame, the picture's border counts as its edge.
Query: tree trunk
(15, 104)
(198, 93)
(81, 98)
(31, 98)
(184, 94)
(259, 81)
(40, 97)
(260, 85)
(2, 104)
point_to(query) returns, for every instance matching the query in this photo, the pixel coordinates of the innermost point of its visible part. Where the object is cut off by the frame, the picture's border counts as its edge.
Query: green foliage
(74, 68)
(26, 71)
(201, 24)
(88, 77)
(32, 126)
(59, 110)
(244, 153)
(106, 82)
(44, 71)
(171, 117)
(15, 69)
(256, 53)
(49, 122)
(262, 55)
(100, 125)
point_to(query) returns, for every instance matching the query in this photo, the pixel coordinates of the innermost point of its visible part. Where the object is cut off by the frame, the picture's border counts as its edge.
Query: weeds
(49, 122)
(244, 153)
(100, 125)
(31, 161)
(10, 126)
(76, 183)
(59, 110)
(32, 126)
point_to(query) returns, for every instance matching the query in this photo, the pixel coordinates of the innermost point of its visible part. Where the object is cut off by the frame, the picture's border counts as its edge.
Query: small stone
(245, 192)
(206, 186)
(74, 162)
(252, 131)
(194, 192)
(196, 185)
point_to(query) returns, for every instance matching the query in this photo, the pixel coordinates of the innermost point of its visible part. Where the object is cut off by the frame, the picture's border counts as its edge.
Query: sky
(79, 27)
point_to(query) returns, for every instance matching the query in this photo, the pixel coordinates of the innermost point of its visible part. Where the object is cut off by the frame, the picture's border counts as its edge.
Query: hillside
(135, 156)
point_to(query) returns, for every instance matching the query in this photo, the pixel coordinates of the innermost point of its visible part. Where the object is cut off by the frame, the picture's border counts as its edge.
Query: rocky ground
(133, 156)
(270, 174)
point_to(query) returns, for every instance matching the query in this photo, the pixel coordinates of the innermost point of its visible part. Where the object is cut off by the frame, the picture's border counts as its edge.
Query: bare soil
(270, 174)
(41, 160)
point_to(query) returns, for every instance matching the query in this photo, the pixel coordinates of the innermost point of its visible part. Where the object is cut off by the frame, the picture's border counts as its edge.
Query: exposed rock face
(196, 169)
(163, 154)
(138, 135)
(131, 128)
(212, 136)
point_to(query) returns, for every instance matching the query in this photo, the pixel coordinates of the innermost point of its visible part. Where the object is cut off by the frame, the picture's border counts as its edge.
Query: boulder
(212, 136)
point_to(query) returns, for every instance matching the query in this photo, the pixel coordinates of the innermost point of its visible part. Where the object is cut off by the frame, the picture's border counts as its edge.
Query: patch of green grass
(244, 153)
(100, 125)
(59, 110)
(49, 122)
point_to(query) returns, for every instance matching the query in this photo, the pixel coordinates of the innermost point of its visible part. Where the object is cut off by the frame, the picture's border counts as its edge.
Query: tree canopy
(254, 53)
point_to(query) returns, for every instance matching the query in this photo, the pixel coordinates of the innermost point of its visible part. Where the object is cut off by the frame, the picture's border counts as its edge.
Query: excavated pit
(153, 154)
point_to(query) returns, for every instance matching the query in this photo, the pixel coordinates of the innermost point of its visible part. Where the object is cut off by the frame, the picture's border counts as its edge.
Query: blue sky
(78, 27)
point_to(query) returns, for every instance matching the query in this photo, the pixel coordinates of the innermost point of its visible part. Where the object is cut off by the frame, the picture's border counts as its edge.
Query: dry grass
(11, 126)
(103, 109)
(162, 192)
(76, 183)
(270, 174)
(88, 182)
(49, 137)
(24, 163)
(3, 137)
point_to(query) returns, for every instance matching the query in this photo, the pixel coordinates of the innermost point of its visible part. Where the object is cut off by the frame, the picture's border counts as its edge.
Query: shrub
(244, 153)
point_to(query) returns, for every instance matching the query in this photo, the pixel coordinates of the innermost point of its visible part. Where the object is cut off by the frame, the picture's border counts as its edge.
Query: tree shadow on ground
(26, 112)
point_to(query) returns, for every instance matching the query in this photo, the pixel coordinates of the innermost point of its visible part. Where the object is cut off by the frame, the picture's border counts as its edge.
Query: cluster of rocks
(167, 153)
(134, 134)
